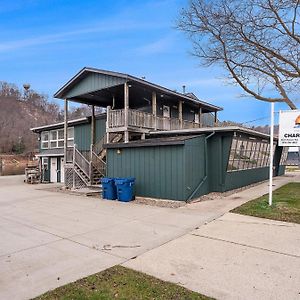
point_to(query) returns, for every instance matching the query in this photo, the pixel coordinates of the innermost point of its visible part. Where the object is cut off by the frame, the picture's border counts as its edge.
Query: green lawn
(121, 283)
(286, 205)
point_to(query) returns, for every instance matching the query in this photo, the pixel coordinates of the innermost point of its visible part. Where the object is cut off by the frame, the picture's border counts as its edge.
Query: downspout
(206, 168)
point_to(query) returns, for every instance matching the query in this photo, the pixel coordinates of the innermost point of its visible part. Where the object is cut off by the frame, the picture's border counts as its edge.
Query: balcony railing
(144, 120)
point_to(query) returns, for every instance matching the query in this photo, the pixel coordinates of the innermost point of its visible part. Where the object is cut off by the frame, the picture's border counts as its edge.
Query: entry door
(196, 119)
(53, 169)
(167, 116)
(62, 169)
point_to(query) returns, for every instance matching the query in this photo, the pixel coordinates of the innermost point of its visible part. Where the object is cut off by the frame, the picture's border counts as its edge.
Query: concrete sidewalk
(232, 257)
(49, 239)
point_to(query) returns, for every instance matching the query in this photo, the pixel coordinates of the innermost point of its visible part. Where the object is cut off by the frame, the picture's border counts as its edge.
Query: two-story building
(170, 141)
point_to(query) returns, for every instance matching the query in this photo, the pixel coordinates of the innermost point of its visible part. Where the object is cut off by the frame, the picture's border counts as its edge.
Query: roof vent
(183, 89)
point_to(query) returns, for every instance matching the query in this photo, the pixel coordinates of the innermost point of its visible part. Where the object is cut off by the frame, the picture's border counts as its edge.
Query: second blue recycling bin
(125, 188)
(109, 190)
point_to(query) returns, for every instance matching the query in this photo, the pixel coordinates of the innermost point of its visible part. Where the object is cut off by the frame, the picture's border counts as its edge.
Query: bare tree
(257, 41)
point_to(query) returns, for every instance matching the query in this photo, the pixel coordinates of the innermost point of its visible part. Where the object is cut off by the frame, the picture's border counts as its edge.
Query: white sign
(289, 128)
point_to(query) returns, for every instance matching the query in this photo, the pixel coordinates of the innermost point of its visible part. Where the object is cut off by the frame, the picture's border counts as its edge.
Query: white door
(196, 119)
(62, 168)
(53, 169)
(167, 116)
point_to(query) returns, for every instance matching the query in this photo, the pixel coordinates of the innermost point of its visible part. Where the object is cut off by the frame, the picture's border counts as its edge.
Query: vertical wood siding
(93, 82)
(159, 171)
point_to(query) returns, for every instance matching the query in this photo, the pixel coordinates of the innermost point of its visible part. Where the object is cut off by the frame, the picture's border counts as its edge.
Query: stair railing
(80, 161)
(98, 163)
(98, 146)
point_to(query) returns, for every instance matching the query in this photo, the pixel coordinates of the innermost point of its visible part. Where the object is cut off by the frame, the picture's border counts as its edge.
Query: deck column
(180, 114)
(154, 109)
(65, 130)
(126, 112)
(216, 117)
(200, 117)
(107, 123)
(93, 127)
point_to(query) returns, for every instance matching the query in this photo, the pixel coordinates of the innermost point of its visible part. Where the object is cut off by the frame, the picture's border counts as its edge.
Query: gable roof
(119, 78)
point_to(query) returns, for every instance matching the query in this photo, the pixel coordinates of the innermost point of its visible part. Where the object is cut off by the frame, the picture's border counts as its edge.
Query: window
(55, 138)
(248, 153)
(70, 136)
(45, 140)
(284, 155)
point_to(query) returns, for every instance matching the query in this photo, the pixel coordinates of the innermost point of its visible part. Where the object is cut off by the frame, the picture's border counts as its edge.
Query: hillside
(19, 113)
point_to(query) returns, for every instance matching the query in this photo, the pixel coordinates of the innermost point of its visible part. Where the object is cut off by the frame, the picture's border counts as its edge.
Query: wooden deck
(147, 121)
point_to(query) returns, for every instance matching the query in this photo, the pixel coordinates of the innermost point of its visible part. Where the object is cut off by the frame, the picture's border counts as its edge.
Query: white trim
(210, 129)
(58, 124)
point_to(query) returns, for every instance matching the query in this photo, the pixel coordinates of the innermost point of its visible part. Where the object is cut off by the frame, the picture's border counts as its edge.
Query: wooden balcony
(143, 121)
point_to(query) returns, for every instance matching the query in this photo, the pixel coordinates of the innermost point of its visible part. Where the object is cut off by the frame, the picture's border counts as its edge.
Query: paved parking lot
(50, 238)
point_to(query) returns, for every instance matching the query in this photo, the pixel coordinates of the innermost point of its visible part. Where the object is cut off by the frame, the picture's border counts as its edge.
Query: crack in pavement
(245, 245)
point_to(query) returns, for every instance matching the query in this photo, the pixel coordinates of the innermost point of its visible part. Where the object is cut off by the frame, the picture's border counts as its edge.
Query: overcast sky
(45, 42)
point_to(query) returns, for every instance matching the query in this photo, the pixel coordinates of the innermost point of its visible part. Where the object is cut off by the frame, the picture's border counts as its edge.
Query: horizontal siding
(159, 171)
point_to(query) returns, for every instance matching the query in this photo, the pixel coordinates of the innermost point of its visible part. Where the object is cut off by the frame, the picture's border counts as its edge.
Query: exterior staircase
(91, 171)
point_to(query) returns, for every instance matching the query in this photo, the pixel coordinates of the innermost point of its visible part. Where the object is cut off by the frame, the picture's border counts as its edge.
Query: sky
(46, 42)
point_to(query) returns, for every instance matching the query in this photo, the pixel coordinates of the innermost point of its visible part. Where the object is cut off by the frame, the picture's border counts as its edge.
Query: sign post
(271, 155)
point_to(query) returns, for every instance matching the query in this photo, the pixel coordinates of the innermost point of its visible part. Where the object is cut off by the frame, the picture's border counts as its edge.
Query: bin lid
(106, 179)
(124, 180)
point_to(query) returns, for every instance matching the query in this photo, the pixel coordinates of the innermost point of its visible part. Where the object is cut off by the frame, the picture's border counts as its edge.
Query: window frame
(44, 140)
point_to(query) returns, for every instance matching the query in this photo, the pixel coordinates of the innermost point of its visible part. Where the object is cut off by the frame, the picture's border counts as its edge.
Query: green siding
(281, 170)
(195, 167)
(100, 128)
(82, 137)
(175, 172)
(82, 134)
(93, 82)
(241, 178)
(159, 171)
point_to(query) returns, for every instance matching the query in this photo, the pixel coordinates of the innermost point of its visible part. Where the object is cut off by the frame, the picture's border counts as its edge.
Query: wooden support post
(74, 175)
(154, 109)
(93, 126)
(126, 112)
(180, 114)
(65, 131)
(200, 117)
(107, 123)
(216, 117)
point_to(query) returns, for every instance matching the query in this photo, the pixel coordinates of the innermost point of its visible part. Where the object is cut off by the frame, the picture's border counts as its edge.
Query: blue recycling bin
(125, 188)
(109, 190)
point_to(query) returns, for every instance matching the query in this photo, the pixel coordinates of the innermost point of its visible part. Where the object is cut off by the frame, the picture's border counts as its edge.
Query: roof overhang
(80, 89)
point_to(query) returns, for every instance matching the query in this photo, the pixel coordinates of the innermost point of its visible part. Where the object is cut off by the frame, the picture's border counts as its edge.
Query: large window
(55, 138)
(248, 153)
(284, 155)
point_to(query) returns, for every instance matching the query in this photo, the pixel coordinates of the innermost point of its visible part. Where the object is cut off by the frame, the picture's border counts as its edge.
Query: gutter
(206, 168)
